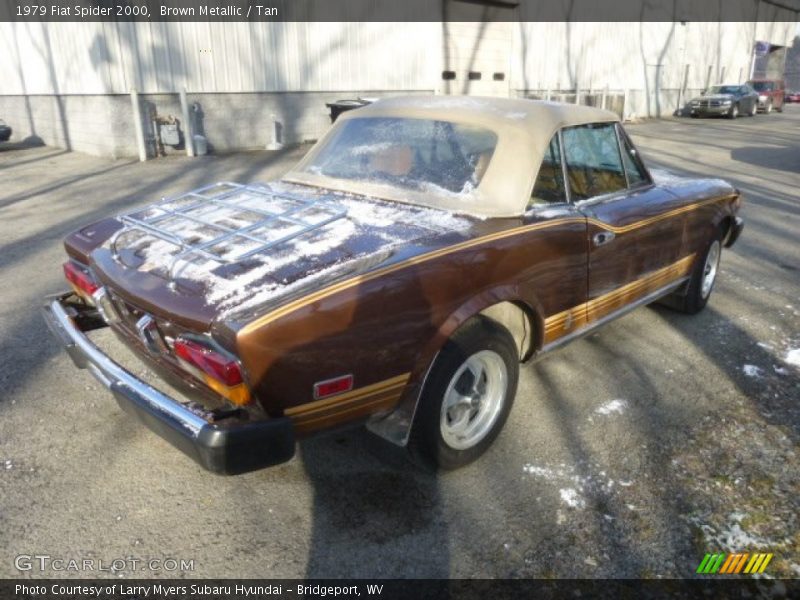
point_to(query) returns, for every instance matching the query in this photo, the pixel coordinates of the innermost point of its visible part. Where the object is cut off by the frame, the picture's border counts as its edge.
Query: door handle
(603, 237)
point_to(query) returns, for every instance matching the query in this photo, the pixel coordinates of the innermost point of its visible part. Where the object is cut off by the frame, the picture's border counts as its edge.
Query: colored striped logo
(728, 564)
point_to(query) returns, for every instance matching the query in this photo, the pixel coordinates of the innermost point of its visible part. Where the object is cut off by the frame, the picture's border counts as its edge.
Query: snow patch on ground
(543, 472)
(573, 487)
(793, 357)
(614, 406)
(731, 537)
(752, 371)
(571, 498)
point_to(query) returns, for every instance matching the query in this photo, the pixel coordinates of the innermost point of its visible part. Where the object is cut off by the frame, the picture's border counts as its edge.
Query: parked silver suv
(726, 100)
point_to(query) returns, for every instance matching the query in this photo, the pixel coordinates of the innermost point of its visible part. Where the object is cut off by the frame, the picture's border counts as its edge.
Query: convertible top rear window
(416, 154)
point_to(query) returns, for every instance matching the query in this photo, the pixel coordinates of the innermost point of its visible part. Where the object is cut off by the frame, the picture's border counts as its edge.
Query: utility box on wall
(170, 136)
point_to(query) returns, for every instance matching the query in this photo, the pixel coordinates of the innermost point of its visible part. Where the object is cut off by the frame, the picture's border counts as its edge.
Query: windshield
(415, 154)
(762, 86)
(724, 89)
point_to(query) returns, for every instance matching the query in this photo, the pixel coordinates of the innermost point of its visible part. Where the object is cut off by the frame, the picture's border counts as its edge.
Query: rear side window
(549, 187)
(594, 164)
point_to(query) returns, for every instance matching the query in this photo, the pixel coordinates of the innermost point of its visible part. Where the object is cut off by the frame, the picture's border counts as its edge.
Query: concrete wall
(103, 125)
(85, 123)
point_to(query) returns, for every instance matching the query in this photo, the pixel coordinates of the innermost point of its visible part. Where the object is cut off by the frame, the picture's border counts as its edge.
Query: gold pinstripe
(650, 220)
(306, 422)
(360, 279)
(354, 397)
(587, 312)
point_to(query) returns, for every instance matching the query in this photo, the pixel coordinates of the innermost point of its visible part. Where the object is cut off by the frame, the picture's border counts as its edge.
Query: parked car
(398, 276)
(792, 97)
(729, 100)
(770, 94)
(5, 131)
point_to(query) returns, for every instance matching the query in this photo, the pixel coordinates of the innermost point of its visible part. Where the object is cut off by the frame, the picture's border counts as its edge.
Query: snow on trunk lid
(244, 245)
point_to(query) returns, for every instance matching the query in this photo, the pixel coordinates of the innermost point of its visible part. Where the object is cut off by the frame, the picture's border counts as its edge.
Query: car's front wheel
(467, 396)
(753, 109)
(768, 107)
(703, 277)
(733, 112)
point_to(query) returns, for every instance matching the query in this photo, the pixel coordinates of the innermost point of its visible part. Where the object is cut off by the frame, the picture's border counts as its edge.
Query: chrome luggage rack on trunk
(212, 213)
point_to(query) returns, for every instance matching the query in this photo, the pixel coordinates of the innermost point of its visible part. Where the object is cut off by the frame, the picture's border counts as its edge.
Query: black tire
(734, 111)
(427, 444)
(768, 108)
(695, 116)
(753, 110)
(695, 299)
(779, 109)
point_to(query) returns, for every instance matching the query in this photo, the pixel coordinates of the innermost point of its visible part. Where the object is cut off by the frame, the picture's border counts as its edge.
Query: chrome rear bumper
(228, 446)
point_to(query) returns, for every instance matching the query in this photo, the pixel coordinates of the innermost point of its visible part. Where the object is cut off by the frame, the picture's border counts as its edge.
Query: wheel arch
(522, 322)
(521, 318)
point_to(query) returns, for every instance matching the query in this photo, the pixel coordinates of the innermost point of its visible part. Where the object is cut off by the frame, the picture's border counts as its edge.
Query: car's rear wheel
(768, 107)
(733, 112)
(704, 275)
(467, 396)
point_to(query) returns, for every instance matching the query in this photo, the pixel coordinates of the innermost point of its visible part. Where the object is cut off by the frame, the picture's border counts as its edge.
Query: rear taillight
(219, 371)
(81, 279)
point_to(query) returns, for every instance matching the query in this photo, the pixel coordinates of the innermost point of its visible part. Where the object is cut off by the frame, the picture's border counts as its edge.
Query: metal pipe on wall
(188, 134)
(137, 125)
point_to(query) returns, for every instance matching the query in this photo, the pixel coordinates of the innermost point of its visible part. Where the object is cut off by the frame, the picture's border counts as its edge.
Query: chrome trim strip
(622, 160)
(564, 173)
(651, 297)
(116, 378)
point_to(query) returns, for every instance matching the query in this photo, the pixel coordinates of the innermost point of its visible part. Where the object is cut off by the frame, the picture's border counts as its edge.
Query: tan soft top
(524, 129)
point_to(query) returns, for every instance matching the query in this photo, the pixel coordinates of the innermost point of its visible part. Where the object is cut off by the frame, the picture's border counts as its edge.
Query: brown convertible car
(397, 277)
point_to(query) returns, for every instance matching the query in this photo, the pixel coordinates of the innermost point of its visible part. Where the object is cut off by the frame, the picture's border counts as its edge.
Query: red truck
(771, 93)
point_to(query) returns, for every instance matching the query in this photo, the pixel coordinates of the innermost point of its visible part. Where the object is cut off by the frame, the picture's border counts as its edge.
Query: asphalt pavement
(630, 453)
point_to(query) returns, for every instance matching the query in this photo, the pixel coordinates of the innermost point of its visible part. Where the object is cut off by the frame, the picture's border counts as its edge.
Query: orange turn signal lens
(218, 371)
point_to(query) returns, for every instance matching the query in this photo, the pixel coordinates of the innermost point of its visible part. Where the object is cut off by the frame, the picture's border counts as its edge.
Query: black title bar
(393, 589)
(399, 10)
